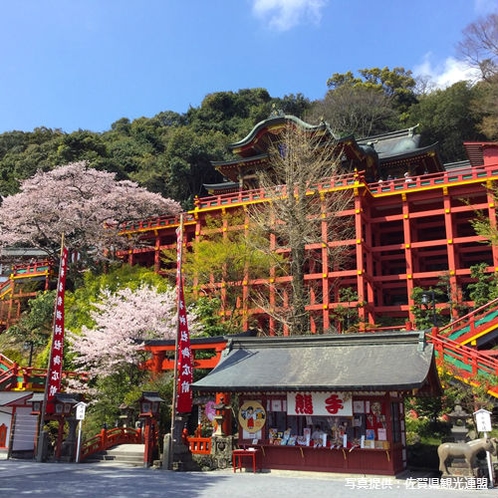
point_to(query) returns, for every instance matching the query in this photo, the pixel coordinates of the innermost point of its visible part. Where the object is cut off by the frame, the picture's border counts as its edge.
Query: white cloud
(483, 7)
(283, 15)
(447, 73)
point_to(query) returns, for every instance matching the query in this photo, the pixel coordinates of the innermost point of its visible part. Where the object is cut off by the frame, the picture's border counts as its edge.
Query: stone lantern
(149, 410)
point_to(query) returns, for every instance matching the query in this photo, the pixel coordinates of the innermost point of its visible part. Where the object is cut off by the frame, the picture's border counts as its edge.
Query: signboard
(483, 424)
(483, 420)
(320, 403)
(252, 416)
(80, 411)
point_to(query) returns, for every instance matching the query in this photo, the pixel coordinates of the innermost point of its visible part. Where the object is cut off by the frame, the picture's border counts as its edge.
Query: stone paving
(20, 478)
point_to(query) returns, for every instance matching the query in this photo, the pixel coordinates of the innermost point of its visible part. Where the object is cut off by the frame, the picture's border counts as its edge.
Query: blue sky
(83, 64)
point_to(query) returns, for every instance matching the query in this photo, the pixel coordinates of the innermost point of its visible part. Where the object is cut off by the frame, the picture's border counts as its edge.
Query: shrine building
(324, 403)
(412, 228)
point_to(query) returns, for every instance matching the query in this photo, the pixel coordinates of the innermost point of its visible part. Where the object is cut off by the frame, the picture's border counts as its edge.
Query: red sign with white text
(185, 365)
(54, 374)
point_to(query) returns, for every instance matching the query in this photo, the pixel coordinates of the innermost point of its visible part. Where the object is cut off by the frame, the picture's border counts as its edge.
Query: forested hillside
(170, 153)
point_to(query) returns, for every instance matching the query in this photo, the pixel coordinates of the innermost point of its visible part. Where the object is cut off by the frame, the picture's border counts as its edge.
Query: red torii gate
(163, 353)
(163, 359)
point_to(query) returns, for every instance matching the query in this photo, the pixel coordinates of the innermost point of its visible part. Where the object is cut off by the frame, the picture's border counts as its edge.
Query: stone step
(130, 454)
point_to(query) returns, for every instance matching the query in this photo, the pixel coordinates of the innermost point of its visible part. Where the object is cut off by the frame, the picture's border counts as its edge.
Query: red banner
(184, 353)
(54, 374)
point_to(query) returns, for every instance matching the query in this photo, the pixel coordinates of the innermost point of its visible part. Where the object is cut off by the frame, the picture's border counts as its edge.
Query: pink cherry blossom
(84, 204)
(123, 320)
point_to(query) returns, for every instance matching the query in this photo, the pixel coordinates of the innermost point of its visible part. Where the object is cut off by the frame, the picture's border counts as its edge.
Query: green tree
(208, 312)
(484, 226)
(424, 310)
(485, 286)
(485, 105)
(79, 303)
(295, 105)
(189, 156)
(374, 102)
(225, 256)
(34, 329)
(346, 316)
(231, 113)
(22, 154)
(81, 146)
(447, 117)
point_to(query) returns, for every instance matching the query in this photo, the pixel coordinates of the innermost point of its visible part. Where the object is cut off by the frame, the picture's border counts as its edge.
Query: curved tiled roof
(276, 121)
(367, 362)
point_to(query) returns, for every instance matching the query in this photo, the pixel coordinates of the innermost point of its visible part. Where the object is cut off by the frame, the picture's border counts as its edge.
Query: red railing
(199, 445)
(471, 320)
(432, 180)
(33, 269)
(109, 438)
(467, 362)
(8, 373)
(153, 223)
(12, 376)
(5, 288)
(259, 195)
(5, 362)
(233, 198)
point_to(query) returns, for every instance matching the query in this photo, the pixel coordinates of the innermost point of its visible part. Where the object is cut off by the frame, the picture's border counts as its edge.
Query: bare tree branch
(300, 221)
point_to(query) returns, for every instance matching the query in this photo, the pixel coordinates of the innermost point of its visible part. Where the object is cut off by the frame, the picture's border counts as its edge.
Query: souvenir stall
(325, 403)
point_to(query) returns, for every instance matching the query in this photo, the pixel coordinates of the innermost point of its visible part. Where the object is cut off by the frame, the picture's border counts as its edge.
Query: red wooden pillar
(157, 361)
(157, 253)
(148, 440)
(224, 398)
(369, 263)
(271, 289)
(103, 437)
(47, 278)
(3, 436)
(408, 251)
(360, 263)
(492, 220)
(11, 299)
(451, 252)
(325, 267)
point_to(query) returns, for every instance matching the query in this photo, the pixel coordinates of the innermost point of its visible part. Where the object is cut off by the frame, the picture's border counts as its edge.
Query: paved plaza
(20, 478)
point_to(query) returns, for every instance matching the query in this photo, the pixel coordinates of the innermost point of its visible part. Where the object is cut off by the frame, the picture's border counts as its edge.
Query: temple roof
(359, 362)
(11, 398)
(427, 157)
(274, 124)
(388, 153)
(225, 187)
(392, 143)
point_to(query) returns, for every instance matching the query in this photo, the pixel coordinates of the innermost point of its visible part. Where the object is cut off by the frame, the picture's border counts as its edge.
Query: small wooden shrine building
(330, 403)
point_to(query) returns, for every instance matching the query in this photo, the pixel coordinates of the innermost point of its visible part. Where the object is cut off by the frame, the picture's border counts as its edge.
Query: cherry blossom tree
(86, 205)
(123, 320)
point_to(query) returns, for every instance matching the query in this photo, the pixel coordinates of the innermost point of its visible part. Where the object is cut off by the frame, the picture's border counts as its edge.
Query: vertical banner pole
(179, 255)
(54, 374)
